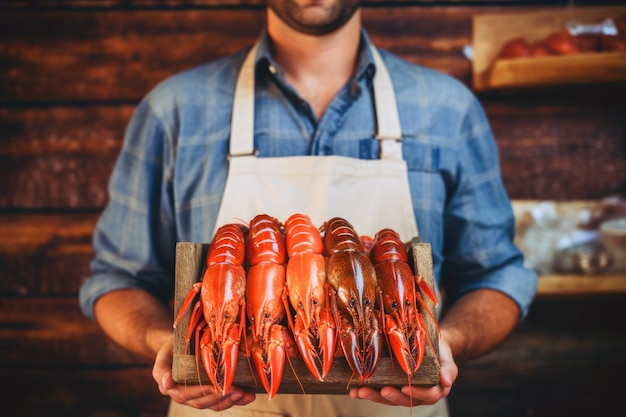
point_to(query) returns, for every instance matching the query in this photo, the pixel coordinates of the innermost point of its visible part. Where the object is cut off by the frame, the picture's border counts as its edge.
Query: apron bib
(370, 194)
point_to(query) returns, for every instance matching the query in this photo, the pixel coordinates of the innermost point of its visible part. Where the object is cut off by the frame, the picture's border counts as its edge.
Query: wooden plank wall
(71, 73)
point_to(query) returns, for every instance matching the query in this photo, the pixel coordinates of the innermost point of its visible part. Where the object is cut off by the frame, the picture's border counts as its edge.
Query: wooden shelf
(491, 31)
(573, 284)
(582, 68)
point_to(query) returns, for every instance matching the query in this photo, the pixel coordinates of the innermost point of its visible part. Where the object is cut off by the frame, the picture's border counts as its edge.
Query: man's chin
(315, 19)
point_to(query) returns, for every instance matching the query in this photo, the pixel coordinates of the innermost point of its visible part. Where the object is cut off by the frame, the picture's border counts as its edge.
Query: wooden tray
(491, 31)
(189, 258)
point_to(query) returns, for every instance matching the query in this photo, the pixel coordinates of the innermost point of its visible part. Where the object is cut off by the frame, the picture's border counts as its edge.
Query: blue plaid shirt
(168, 182)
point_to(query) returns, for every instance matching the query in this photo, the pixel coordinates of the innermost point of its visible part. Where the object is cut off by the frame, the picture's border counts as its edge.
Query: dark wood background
(71, 73)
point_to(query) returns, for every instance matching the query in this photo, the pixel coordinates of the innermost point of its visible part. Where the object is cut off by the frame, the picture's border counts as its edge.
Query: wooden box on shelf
(491, 31)
(189, 257)
(558, 284)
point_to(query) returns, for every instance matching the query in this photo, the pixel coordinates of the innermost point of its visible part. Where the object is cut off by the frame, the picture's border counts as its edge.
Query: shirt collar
(265, 62)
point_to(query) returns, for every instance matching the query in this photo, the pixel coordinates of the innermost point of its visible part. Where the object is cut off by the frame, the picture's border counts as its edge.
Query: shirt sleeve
(134, 239)
(479, 222)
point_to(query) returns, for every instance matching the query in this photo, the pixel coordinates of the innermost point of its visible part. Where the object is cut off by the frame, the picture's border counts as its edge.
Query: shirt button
(271, 69)
(355, 89)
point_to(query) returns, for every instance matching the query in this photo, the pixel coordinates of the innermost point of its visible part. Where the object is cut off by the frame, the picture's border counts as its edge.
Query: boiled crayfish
(367, 242)
(404, 325)
(271, 342)
(313, 326)
(218, 317)
(354, 295)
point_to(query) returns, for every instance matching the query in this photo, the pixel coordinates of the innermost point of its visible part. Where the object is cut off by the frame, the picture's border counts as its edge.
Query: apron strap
(388, 122)
(242, 123)
(389, 132)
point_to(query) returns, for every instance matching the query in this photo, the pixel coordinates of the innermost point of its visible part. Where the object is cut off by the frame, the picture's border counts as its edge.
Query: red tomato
(515, 48)
(562, 42)
(540, 49)
(614, 43)
(588, 42)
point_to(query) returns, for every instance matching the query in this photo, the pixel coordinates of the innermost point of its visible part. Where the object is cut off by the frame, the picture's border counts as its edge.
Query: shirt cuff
(97, 286)
(515, 281)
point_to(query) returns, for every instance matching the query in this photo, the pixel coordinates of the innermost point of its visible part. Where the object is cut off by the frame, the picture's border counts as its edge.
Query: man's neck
(316, 66)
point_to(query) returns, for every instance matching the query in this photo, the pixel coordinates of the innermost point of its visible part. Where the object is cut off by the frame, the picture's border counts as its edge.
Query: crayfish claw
(316, 346)
(309, 354)
(269, 358)
(408, 353)
(350, 347)
(327, 346)
(362, 356)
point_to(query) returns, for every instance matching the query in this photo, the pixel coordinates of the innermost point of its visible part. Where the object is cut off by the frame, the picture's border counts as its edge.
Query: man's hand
(475, 324)
(196, 396)
(419, 395)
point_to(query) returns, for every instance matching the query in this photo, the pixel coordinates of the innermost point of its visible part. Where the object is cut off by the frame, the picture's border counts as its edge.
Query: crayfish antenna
(384, 327)
(197, 338)
(193, 295)
(295, 374)
(428, 339)
(291, 325)
(430, 314)
(410, 396)
(249, 357)
(423, 325)
(350, 380)
(242, 221)
(242, 323)
(195, 322)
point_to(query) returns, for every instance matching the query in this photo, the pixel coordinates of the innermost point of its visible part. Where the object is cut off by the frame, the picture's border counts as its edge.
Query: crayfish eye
(267, 315)
(352, 302)
(226, 316)
(314, 302)
(394, 304)
(407, 303)
(367, 301)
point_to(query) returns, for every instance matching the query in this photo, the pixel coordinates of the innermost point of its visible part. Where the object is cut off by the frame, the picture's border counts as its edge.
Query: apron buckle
(230, 155)
(390, 147)
(395, 138)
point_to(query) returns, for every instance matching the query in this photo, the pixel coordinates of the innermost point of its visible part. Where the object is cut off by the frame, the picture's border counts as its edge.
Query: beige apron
(371, 194)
